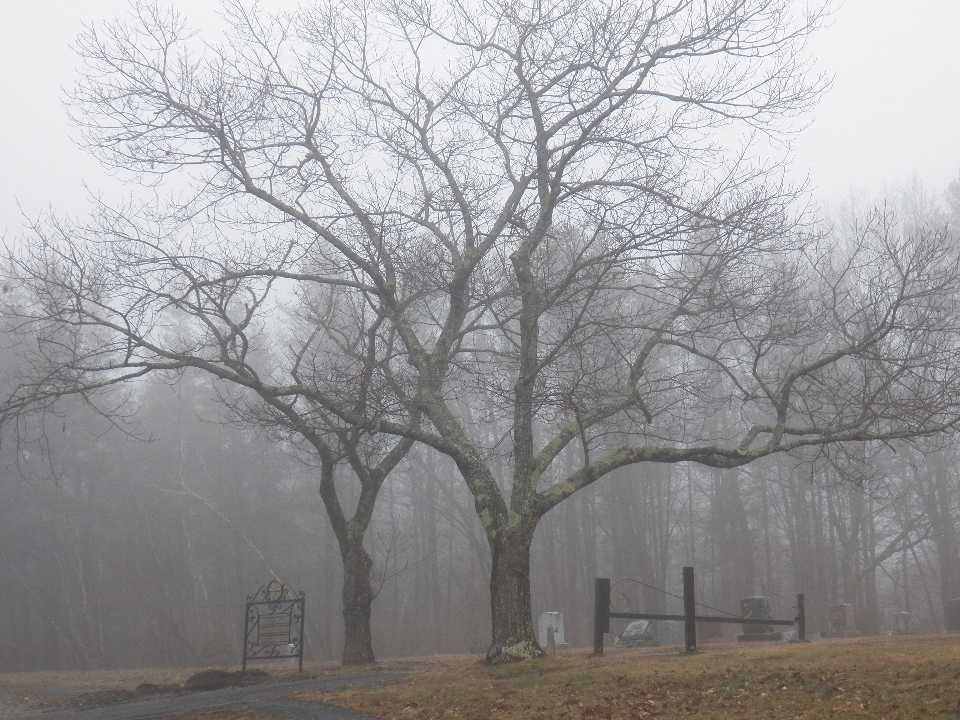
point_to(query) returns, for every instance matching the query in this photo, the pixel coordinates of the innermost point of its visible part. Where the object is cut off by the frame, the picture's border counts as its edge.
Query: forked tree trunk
(513, 632)
(357, 601)
(357, 591)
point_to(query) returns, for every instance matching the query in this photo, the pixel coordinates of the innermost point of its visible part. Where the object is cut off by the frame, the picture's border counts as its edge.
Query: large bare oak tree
(560, 214)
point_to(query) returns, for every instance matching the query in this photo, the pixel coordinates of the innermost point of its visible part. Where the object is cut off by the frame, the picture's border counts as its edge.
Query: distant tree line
(121, 552)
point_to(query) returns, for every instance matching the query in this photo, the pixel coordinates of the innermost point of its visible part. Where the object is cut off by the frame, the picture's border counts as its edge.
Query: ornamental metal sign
(273, 628)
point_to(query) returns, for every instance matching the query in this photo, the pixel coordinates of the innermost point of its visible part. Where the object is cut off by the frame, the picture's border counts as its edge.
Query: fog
(141, 553)
(891, 113)
(205, 395)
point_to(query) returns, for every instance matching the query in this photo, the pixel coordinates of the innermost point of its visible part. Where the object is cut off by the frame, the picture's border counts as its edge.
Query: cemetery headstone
(551, 620)
(639, 633)
(757, 607)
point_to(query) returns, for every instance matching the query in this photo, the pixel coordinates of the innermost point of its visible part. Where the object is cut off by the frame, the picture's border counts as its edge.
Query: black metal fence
(602, 613)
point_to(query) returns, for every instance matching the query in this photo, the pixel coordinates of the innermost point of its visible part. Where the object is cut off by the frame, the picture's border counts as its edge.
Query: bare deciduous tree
(546, 214)
(148, 307)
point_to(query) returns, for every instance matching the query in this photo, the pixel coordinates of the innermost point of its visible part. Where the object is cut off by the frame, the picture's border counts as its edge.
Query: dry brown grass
(878, 678)
(224, 714)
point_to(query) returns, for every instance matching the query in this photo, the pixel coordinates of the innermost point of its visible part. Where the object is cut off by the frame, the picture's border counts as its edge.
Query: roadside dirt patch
(48, 693)
(217, 679)
(11, 708)
(106, 698)
(201, 681)
(98, 699)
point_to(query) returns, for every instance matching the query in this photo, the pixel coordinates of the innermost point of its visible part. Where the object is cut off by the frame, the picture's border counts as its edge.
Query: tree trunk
(357, 601)
(513, 632)
(937, 491)
(871, 601)
(357, 590)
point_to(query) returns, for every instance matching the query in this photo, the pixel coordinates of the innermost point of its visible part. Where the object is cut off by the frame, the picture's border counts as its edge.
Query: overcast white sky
(893, 112)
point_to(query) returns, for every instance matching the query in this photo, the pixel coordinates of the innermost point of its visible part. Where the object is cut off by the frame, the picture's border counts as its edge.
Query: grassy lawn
(914, 677)
(863, 678)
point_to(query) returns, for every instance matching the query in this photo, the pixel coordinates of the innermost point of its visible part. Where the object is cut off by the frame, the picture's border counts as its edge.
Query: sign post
(689, 611)
(273, 625)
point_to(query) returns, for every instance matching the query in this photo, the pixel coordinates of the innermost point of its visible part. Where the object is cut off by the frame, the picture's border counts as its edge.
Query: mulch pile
(199, 682)
(216, 679)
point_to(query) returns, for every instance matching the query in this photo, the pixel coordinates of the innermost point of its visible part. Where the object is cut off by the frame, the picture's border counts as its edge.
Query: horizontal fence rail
(602, 614)
(701, 618)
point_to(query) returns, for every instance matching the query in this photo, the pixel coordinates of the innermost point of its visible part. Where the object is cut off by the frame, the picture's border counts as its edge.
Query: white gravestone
(548, 620)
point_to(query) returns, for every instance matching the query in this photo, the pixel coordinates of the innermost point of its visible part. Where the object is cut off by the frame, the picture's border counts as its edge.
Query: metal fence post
(246, 630)
(801, 619)
(689, 611)
(303, 633)
(601, 613)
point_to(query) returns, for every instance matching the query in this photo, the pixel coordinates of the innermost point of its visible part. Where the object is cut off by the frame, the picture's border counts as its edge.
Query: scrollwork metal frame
(273, 624)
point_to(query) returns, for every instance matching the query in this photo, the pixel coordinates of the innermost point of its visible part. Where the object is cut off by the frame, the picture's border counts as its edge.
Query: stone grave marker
(551, 620)
(757, 607)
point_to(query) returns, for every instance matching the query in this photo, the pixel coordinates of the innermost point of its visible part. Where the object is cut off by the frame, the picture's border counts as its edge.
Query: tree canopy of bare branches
(398, 221)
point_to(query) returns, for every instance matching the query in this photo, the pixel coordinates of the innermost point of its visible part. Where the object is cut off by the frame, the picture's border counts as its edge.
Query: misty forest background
(135, 541)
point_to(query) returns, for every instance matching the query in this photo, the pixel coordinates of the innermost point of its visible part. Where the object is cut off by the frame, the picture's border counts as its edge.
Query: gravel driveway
(267, 698)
